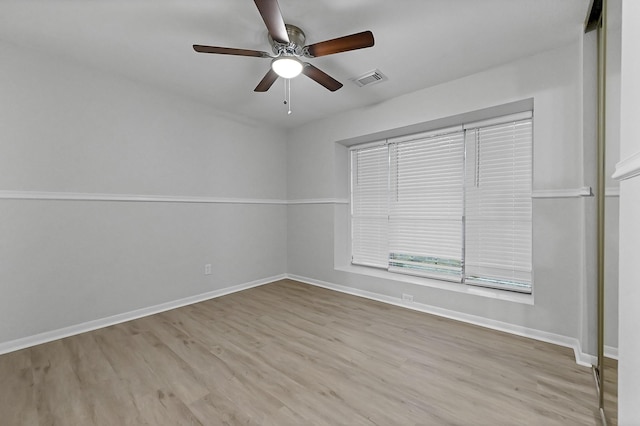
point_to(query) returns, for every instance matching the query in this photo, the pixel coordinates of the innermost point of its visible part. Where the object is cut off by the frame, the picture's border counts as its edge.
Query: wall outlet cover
(407, 297)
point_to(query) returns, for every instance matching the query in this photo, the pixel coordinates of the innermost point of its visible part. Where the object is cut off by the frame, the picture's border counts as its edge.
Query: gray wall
(66, 128)
(317, 170)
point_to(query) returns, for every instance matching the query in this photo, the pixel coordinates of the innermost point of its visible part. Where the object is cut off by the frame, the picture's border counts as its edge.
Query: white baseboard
(611, 352)
(584, 358)
(48, 336)
(588, 359)
(569, 342)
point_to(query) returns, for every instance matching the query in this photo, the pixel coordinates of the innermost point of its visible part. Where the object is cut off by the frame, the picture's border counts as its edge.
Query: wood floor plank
(58, 393)
(611, 390)
(100, 392)
(17, 403)
(293, 354)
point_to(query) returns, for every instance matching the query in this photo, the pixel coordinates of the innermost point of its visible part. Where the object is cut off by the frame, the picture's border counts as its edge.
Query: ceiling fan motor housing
(295, 45)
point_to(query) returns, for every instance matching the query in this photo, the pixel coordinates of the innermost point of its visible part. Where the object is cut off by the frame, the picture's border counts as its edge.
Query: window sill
(509, 296)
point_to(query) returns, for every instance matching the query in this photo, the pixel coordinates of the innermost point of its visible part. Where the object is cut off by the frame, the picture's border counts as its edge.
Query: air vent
(371, 77)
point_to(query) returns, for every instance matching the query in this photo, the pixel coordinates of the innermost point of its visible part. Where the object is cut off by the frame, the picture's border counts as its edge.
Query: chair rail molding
(90, 196)
(584, 191)
(628, 167)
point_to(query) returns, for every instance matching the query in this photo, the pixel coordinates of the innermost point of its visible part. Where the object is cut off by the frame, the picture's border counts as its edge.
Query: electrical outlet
(207, 269)
(407, 297)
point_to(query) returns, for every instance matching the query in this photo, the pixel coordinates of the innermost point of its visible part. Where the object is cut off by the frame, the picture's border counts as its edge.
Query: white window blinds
(369, 206)
(498, 205)
(425, 218)
(452, 204)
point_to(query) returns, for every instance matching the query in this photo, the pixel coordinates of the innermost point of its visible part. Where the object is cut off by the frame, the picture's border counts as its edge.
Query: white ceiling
(418, 43)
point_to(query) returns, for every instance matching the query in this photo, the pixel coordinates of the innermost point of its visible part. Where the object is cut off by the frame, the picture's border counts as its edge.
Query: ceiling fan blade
(230, 51)
(321, 77)
(341, 44)
(267, 81)
(272, 17)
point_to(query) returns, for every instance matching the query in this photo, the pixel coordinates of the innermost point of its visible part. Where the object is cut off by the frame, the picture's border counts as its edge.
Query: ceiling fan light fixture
(286, 66)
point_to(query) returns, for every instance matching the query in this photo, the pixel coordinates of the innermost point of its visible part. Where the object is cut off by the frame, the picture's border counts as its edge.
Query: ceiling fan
(288, 45)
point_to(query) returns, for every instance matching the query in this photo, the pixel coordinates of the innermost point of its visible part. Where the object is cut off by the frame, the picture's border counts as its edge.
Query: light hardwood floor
(611, 391)
(292, 354)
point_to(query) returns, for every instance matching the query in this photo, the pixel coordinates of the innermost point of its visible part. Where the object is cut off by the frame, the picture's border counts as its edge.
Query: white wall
(317, 170)
(66, 128)
(629, 288)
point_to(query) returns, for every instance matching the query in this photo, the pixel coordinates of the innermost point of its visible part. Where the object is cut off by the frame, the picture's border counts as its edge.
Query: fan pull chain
(287, 94)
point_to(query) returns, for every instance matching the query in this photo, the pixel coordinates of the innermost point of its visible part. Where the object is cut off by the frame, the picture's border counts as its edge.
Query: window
(452, 204)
